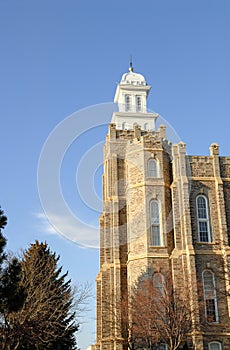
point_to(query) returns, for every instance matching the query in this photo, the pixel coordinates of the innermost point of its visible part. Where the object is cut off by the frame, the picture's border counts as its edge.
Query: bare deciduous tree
(155, 315)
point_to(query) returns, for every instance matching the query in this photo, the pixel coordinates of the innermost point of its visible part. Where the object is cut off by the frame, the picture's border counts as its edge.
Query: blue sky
(58, 57)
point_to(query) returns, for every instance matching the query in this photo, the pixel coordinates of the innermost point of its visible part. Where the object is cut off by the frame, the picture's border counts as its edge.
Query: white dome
(133, 79)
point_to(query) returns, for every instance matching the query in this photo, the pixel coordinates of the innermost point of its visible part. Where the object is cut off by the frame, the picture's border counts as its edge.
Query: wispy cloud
(70, 228)
(44, 224)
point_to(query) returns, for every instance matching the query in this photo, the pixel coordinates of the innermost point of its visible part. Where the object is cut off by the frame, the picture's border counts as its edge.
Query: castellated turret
(163, 212)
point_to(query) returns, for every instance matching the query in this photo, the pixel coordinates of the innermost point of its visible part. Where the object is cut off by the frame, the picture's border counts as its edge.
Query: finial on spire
(131, 64)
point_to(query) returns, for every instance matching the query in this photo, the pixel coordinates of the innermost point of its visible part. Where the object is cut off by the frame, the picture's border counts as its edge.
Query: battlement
(200, 166)
(225, 167)
(148, 139)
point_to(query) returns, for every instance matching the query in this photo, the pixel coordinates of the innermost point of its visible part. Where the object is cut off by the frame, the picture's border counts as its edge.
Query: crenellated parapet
(163, 212)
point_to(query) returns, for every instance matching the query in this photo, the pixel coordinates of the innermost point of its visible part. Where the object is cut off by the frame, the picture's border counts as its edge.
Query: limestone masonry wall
(127, 250)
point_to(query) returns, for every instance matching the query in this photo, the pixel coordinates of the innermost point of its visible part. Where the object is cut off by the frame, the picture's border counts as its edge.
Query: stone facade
(127, 248)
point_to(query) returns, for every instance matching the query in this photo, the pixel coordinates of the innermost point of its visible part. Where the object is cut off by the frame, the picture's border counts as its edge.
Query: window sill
(158, 246)
(206, 243)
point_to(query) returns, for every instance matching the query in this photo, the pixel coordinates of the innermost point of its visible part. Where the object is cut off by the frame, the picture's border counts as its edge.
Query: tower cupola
(131, 97)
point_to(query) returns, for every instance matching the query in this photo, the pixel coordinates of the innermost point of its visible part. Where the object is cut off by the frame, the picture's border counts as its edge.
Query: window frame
(155, 225)
(128, 103)
(203, 220)
(159, 282)
(215, 343)
(211, 296)
(138, 103)
(155, 168)
(162, 346)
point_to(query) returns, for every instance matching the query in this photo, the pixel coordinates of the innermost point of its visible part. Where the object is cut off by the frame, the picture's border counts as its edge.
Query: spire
(131, 64)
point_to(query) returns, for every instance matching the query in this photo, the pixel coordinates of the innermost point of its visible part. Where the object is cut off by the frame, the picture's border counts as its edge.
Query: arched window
(127, 103)
(214, 345)
(153, 168)
(155, 223)
(203, 219)
(138, 104)
(210, 296)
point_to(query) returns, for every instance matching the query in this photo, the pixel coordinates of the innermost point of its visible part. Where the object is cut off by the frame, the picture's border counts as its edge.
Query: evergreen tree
(3, 222)
(11, 293)
(47, 319)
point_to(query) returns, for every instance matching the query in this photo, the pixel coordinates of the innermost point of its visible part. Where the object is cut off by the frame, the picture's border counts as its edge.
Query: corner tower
(135, 226)
(163, 212)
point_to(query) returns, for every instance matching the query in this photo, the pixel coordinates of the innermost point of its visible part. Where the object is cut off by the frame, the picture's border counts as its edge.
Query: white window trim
(214, 296)
(128, 105)
(203, 220)
(138, 107)
(159, 225)
(216, 343)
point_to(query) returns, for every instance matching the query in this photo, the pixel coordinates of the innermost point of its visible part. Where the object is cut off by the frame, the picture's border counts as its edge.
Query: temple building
(163, 211)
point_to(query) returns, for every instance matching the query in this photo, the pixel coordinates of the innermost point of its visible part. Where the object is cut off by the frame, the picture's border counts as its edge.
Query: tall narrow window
(158, 280)
(210, 297)
(152, 168)
(138, 104)
(127, 103)
(155, 223)
(203, 219)
(214, 345)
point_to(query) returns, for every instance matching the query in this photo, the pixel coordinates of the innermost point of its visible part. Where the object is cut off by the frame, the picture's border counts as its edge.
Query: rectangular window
(138, 104)
(155, 223)
(210, 300)
(210, 310)
(156, 234)
(152, 168)
(203, 230)
(127, 103)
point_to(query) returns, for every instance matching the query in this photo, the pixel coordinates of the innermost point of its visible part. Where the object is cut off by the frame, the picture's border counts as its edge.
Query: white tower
(131, 96)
